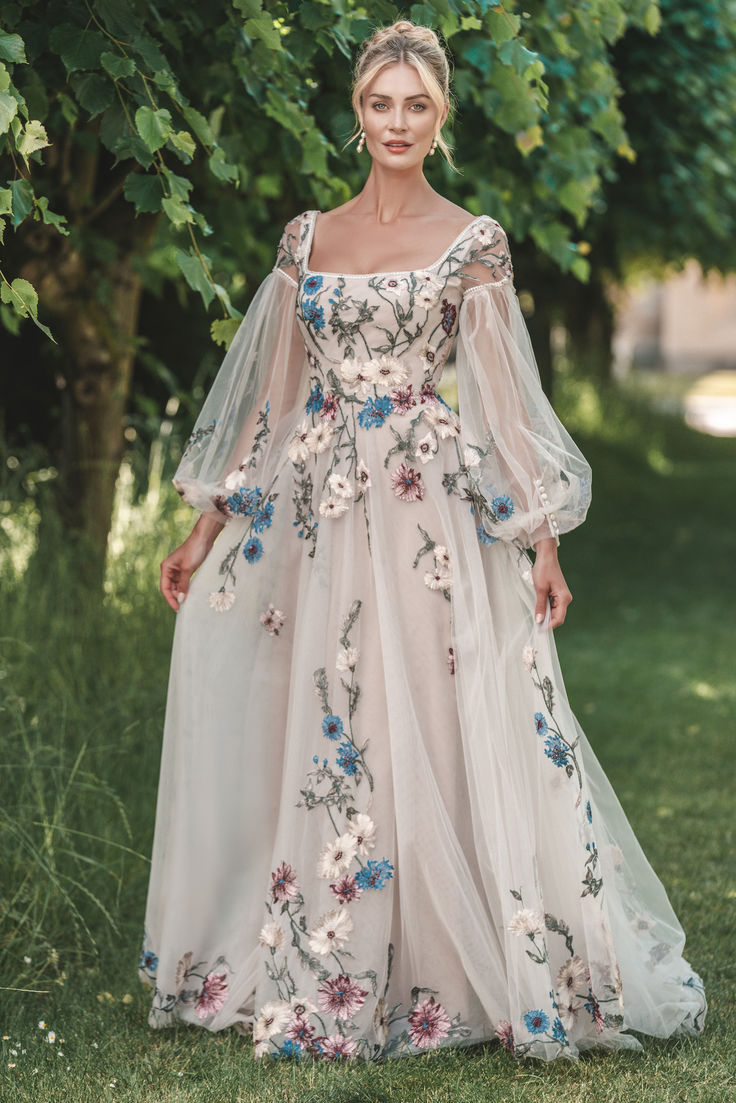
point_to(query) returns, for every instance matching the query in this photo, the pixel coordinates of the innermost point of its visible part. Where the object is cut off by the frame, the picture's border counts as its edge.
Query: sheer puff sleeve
(255, 395)
(528, 478)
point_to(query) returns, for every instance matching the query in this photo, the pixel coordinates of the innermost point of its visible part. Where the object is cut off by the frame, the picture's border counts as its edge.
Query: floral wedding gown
(380, 828)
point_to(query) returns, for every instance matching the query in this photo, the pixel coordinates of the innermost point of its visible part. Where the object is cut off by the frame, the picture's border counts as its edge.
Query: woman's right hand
(178, 568)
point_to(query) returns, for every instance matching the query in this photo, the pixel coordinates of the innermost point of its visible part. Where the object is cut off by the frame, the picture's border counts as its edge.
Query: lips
(397, 146)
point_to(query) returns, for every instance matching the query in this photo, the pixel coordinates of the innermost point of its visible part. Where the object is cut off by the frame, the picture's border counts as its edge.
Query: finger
(541, 607)
(170, 586)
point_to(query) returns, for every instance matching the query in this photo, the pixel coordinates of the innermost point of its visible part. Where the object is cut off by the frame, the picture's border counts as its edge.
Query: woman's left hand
(549, 583)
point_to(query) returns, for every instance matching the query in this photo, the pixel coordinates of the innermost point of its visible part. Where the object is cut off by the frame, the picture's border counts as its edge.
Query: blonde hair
(416, 45)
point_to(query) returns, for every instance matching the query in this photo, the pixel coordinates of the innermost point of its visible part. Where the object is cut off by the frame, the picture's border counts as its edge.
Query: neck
(389, 195)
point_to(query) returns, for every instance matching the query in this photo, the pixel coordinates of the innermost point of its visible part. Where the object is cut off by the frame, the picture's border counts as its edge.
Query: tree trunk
(589, 320)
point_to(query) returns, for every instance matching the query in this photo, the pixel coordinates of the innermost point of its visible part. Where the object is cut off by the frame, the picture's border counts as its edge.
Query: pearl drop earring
(361, 142)
(433, 147)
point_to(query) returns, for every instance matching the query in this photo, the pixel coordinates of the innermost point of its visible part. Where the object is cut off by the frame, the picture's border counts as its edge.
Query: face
(399, 117)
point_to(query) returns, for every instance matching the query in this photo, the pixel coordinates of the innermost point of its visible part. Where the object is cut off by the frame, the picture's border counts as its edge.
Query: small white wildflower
(528, 656)
(346, 659)
(318, 438)
(42, 1025)
(526, 921)
(298, 449)
(471, 457)
(442, 556)
(438, 579)
(337, 856)
(222, 600)
(271, 935)
(51, 1037)
(14, 1053)
(333, 507)
(339, 486)
(26, 959)
(426, 448)
(363, 475)
(389, 372)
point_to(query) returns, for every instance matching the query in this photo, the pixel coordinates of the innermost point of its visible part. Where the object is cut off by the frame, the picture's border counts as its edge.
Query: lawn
(648, 658)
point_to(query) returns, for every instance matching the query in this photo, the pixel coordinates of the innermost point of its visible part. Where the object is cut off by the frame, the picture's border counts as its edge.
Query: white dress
(380, 827)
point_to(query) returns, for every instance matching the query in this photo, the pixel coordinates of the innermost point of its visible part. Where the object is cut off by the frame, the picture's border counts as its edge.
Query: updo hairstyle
(416, 45)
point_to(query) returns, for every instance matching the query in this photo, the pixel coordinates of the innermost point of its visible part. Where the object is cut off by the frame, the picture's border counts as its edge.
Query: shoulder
(486, 257)
(292, 242)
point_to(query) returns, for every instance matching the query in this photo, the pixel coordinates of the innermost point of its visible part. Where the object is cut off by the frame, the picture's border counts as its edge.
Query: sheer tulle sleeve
(255, 395)
(529, 480)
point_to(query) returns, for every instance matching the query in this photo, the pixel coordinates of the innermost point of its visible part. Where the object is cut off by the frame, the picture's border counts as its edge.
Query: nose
(397, 121)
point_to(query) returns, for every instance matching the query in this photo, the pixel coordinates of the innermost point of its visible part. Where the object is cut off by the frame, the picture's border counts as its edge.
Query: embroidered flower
(374, 411)
(148, 960)
(346, 659)
(332, 932)
(237, 478)
(336, 856)
(271, 936)
(284, 885)
(428, 352)
(429, 1023)
(272, 620)
(451, 660)
(443, 421)
(290, 1049)
(315, 400)
(345, 889)
(363, 475)
(558, 1031)
(340, 486)
(526, 921)
(319, 437)
(243, 502)
(556, 750)
(302, 1005)
(313, 314)
(298, 450)
(485, 537)
(221, 600)
(449, 314)
(312, 285)
(359, 375)
(571, 977)
(392, 286)
(342, 997)
(588, 812)
(374, 875)
(470, 457)
(181, 975)
(428, 395)
(442, 556)
(330, 405)
(300, 1031)
(272, 1018)
(333, 507)
(429, 287)
(253, 549)
(505, 1035)
(427, 448)
(389, 372)
(332, 727)
(363, 830)
(528, 657)
(347, 759)
(403, 399)
(338, 1045)
(438, 578)
(536, 1021)
(540, 723)
(263, 517)
(502, 506)
(407, 484)
(212, 996)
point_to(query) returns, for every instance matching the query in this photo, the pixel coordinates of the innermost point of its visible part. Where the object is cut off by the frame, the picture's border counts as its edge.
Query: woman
(379, 826)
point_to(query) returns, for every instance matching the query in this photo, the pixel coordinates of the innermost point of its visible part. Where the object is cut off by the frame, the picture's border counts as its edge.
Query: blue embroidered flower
(290, 1049)
(536, 1021)
(374, 875)
(484, 537)
(245, 501)
(332, 727)
(148, 960)
(588, 811)
(253, 550)
(502, 506)
(541, 723)
(347, 758)
(375, 411)
(558, 1031)
(263, 517)
(316, 399)
(315, 759)
(312, 285)
(555, 749)
(314, 315)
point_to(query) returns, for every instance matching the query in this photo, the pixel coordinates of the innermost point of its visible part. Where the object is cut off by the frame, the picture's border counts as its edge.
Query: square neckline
(367, 275)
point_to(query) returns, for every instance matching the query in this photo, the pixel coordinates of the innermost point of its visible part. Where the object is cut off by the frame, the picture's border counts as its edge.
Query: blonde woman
(380, 828)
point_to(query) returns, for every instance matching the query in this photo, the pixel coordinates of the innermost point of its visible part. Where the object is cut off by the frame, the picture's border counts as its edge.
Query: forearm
(546, 548)
(206, 530)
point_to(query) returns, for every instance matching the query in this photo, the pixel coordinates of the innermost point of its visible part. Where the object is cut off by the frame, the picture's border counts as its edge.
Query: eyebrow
(418, 96)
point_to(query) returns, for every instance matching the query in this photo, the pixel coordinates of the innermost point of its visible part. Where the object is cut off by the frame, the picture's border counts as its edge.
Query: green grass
(648, 660)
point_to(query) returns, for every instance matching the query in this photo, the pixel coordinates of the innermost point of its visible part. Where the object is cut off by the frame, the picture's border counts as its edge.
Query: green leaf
(8, 110)
(502, 27)
(22, 201)
(6, 201)
(220, 168)
(262, 27)
(21, 295)
(653, 19)
(178, 186)
(49, 218)
(194, 274)
(150, 53)
(177, 212)
(12, 48)
(223, 330)
(33, 137)
(153, 126)
(144, 191)
(4, 78)
(199, 125)
(117, 65)
(93, 91)
(79, 48)
(69, 108)
(183, 143)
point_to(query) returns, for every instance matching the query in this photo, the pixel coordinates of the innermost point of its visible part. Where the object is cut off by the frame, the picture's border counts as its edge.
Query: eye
(421, 106)
(378, 104)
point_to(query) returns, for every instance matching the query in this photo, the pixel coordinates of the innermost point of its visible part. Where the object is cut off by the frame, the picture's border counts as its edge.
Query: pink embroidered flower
(300, 1030)
(429, 1023)
(284, 885)
(329, 405)
(212, 996)
(346, 889)
(428, 395)
(598, 1019)
(338, 1045)
(451, 660)
(403, 399)
(407, 483)
(505, 1035)
(272, 620)
(341, 997)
